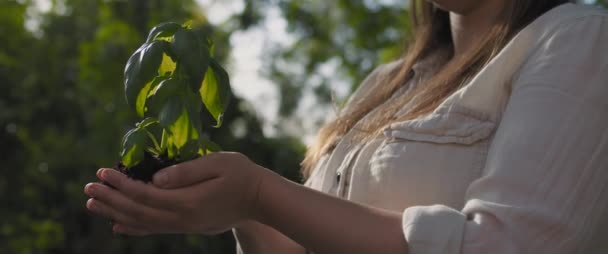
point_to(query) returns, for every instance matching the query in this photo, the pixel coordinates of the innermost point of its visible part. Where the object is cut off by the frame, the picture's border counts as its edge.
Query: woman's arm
(256, 238)
(292, 212)
(322, 223)
(327, 224)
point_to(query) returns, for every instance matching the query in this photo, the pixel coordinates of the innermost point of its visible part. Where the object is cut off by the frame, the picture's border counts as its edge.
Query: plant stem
(155, 141)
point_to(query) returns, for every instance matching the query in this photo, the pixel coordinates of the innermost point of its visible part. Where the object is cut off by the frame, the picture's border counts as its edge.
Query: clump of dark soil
(145, 169)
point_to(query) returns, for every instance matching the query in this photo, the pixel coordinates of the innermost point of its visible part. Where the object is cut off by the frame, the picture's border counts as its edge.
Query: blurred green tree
(335, 45)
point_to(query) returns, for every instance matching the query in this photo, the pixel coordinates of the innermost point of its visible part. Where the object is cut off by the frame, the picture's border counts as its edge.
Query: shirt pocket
(432, 159)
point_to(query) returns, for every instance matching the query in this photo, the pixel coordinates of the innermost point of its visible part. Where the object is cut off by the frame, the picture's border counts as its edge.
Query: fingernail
(161, 178)
(107, 175)
(89, 189)
(91, 205)
(99, 172)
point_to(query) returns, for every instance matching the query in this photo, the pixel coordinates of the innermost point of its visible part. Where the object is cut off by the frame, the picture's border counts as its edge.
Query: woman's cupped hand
(209, 195)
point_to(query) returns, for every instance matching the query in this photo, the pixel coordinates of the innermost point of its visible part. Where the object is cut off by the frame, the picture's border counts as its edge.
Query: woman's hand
(208, 195)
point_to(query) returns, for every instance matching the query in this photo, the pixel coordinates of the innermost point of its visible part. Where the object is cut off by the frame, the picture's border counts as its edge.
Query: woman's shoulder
(568, 53)
(576, 10)
(562, 50)
(565, 14)
(562, 32)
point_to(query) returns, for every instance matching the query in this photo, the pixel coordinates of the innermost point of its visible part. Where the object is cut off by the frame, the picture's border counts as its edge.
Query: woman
(490, 136)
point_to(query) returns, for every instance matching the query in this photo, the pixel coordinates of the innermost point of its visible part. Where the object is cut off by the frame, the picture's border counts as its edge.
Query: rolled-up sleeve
(544, 188)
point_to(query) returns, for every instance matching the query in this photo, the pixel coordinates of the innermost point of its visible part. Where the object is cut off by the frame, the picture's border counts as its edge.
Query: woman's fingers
(138, 191)
(106, 211)
(113, 204)
(122, 223)
(187, 173)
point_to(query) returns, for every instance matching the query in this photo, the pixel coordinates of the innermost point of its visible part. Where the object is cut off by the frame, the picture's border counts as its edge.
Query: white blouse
(516, 161)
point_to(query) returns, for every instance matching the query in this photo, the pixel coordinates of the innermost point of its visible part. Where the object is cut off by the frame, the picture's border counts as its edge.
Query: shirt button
(338, 177)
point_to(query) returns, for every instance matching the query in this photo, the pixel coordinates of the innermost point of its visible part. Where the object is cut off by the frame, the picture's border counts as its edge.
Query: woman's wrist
(270, 183)
(265, 182)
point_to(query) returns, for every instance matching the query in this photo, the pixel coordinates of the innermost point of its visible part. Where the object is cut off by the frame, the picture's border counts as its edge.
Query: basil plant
(168, 81)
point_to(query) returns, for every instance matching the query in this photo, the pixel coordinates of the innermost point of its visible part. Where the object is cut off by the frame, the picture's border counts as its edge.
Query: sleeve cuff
(433, 229)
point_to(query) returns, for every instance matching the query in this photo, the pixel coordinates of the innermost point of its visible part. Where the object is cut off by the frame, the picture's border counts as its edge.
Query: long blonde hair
(432, 33)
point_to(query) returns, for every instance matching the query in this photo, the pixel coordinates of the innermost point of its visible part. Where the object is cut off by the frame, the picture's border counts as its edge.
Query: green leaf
(208, 146)
(192, 55)
(134, 144)
(190, 150)
(170, 112)
(163, 31)
(188, 24)
(158, 97)
(142, 68)
(140, 102)
(146, 122)
(203, 36)
(215, 91)
(167, 144)
(182, 130)
(181, 119)
(167, 66)
(194, 107)
(211, 46)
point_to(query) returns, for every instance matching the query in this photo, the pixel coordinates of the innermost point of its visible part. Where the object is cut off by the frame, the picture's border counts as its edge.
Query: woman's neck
(469, 26)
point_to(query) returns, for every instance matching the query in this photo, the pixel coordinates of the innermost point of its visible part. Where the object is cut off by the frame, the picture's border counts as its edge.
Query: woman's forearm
(327, 224)
(256, 238)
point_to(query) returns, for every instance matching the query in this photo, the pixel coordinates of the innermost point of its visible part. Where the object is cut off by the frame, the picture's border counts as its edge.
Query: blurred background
(63, 113)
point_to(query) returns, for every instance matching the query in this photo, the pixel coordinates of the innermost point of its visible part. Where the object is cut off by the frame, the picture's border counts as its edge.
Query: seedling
(169, 80)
